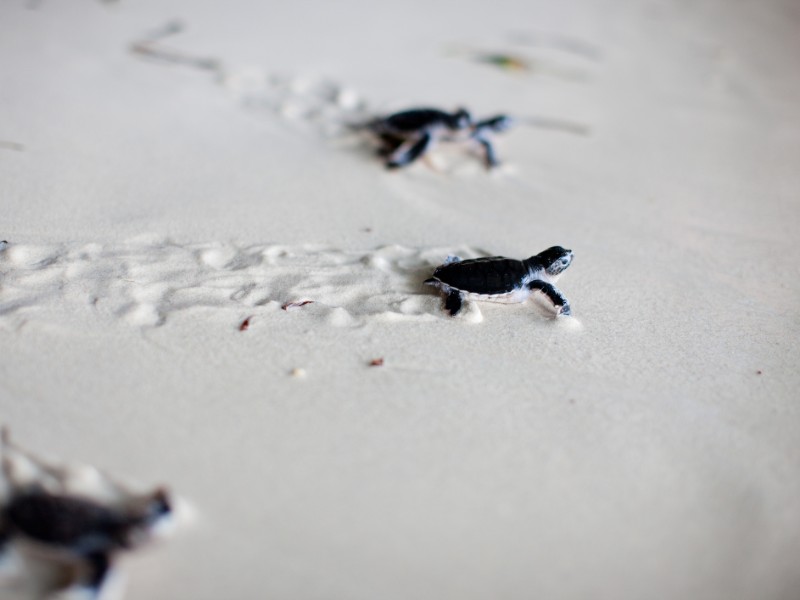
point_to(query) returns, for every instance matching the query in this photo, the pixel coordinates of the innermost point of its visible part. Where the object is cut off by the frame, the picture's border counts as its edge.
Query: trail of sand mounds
(143, 282)
(327, 105)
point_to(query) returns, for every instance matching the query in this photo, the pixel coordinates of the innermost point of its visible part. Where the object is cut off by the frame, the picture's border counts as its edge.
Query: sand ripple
(143, 282)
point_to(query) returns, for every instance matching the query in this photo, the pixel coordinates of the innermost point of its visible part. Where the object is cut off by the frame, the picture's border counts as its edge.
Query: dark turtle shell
(416, 119)
(491, 275)
(65, 520)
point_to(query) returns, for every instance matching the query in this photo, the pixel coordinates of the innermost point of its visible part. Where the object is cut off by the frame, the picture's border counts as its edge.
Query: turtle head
(554, 260)
(461, 119)
(146, 518)
(495, 124)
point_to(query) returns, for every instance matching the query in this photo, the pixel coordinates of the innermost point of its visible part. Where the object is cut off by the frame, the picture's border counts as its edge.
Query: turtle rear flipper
(453, 302)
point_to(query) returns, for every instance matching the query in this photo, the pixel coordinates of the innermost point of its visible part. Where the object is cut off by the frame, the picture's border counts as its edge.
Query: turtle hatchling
(75, 532)
(501, 279)
(405, 136)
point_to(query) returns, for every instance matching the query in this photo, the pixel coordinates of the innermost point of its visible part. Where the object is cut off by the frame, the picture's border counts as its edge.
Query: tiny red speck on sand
(376, 362)
(245, 324)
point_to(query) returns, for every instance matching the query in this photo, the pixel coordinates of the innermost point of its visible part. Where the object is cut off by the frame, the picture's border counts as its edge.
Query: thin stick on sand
(59, 474)
(558, 41)
(9, 447)
(149, 47)
(556, 125)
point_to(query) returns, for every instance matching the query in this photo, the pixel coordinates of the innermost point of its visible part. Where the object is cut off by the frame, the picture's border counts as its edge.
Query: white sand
(646, 448)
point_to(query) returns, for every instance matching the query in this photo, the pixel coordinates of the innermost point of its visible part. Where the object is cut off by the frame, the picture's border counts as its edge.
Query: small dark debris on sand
(297, 304)
(507, 62)
(376, 362)
(245, 324)
(12, 146)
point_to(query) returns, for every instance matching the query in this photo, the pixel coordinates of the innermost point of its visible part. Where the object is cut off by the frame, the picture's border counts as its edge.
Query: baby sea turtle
(73, 530)
(407, 135)
(500, 279)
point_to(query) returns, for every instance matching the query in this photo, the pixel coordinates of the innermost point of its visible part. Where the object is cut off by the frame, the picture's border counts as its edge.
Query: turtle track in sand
(143, 282)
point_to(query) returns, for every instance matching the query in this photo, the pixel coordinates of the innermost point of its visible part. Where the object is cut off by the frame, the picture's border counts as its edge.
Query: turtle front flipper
(489, 153)
(556, 297)
(409, 151)
(99, 567)
(453, 302)
(5, 536)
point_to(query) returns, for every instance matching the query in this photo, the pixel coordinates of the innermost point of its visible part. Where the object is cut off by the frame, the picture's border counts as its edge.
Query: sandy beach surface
(156, 193)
